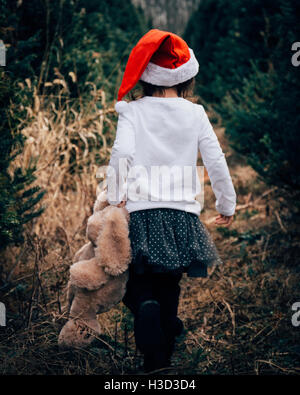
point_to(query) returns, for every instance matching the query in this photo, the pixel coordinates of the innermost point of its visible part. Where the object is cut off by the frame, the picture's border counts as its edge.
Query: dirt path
(238, 321)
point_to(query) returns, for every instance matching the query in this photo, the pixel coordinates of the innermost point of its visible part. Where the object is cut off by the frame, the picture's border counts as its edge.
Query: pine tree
(244, 49)
(17, 197)
(91, 38)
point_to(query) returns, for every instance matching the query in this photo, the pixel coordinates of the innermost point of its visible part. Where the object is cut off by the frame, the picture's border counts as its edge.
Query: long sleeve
(122, 155)
(216, 165)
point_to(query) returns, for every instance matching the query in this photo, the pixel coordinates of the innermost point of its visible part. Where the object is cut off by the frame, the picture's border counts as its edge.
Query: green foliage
(226, 232)
(263, 123)
(248, 214)
(248, 237)
(17, 198)
(80, 44)
(244, 49)
(91, 38)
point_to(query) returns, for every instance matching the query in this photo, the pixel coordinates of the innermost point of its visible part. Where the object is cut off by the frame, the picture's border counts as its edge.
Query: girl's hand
(224, 220)
(122, 204)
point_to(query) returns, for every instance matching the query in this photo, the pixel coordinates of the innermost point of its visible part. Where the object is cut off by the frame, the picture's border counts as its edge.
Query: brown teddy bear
(99, 274)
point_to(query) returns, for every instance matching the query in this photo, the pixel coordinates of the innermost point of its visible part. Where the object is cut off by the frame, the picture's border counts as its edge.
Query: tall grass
(237, 321)
(68, 140)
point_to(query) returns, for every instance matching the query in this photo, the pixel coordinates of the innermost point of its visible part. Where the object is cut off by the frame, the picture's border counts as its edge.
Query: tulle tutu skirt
(170, 240)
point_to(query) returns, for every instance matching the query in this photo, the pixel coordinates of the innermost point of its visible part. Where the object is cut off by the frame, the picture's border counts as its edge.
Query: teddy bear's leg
(83, 327)
(84, 308)
(111, 293)
(70, 296)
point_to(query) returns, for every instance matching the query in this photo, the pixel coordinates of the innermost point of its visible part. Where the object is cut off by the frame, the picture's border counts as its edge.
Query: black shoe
(156, 360)
(171, 331)
(178, 327)
(172, 327)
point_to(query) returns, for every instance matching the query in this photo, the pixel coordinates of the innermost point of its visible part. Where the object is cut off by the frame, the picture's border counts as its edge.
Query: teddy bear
(98, 275)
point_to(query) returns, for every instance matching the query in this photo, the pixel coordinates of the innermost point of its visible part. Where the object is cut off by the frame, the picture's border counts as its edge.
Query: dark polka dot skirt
(170, 240)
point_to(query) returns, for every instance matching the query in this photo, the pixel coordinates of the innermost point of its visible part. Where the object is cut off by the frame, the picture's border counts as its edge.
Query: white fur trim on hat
(162, 76)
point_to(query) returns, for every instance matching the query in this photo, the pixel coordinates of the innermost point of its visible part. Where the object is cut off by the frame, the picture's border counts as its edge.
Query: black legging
(162, 287)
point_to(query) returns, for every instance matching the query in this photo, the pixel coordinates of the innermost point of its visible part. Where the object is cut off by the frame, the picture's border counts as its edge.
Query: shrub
(244, 49)
(18, 198)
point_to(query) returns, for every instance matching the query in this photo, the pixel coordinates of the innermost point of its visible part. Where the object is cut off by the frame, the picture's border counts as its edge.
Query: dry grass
(68, 143)
(238, 321)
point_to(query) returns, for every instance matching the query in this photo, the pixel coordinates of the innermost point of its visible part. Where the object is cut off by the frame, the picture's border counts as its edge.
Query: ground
(237, 321)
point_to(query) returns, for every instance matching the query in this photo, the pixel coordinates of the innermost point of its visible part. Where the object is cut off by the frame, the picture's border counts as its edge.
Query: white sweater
(153, 132)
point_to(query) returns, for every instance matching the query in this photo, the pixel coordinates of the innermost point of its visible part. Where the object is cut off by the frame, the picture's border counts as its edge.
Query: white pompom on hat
(121, 107)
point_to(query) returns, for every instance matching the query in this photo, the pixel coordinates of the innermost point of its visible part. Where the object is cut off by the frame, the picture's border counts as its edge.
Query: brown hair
(184, 89)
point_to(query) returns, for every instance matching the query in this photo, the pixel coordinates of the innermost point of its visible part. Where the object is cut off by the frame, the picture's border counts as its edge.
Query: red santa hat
(159, 58)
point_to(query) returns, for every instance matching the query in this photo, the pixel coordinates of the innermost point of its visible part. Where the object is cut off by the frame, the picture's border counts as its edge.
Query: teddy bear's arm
(88, 275)
(84, 253)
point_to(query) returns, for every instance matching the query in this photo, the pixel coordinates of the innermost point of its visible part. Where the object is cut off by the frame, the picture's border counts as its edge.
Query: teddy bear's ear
(113, 245)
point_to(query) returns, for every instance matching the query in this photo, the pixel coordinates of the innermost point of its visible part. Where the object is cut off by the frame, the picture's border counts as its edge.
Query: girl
(153, 172)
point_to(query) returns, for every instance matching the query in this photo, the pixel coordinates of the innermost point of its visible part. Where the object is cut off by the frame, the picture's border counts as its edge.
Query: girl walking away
(153, 173)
